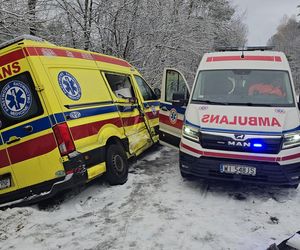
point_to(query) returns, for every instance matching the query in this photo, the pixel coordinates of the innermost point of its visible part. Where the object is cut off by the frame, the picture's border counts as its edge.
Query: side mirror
(178, 100)
(157, 92)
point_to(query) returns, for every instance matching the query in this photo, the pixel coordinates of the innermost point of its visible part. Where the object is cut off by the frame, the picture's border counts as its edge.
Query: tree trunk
(32, 16)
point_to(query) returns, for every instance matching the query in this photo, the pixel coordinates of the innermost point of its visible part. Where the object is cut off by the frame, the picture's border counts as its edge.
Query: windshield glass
(244, 87)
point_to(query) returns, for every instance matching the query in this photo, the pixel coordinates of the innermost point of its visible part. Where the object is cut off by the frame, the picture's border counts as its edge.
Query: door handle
(164, 108)
(13, 139)
(28, 128)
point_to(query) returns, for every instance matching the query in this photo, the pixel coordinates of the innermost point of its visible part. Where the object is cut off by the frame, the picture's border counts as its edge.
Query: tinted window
(146, 91)
(19, 100)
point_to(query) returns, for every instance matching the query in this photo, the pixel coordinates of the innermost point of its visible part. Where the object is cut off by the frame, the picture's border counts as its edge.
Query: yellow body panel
(32, 157)
(96, 170)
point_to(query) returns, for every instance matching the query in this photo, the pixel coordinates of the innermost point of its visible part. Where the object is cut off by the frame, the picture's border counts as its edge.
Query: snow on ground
(156, 209)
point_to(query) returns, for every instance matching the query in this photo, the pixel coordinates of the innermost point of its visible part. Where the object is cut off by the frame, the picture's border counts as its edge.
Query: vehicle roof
(39, 47)
(271, 60)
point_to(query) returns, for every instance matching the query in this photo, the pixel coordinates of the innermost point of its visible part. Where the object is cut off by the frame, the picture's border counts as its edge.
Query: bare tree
(287, 39)
(32, 16)
(151, 34)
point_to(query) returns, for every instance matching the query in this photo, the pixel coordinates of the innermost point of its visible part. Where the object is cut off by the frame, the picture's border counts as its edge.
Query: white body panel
(253, 122)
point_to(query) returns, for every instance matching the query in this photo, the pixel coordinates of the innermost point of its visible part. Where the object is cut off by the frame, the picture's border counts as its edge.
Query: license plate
(4, 182)
(237, 169)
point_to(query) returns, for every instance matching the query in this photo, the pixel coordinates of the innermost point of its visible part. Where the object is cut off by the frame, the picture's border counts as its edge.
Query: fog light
(184, 166)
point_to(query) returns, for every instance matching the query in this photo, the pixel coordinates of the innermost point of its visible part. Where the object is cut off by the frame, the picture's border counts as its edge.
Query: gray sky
(263, 17)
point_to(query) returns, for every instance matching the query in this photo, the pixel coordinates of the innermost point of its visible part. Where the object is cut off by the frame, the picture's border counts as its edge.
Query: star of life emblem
(69, 85)
(16, 99)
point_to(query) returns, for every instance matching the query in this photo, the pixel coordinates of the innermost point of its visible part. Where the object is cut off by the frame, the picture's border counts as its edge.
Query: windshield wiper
(209, 102)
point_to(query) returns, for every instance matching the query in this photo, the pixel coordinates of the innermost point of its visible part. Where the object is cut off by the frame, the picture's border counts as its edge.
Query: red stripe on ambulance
(166, 120)
(4, 161)
(90, 129)
(47, 143)
(29, 149)
(230, 156)
(111, 60)
(152, 115)
(9, 65)
(245, 58)
(11, 57)
(242, 157)
(85, 130)
(42, 51)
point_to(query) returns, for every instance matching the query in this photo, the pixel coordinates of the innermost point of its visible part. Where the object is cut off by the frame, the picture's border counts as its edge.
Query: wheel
(116, 165)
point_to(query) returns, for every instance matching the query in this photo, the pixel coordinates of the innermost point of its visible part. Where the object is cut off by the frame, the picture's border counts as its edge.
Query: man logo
(239, 144)
(239, 137)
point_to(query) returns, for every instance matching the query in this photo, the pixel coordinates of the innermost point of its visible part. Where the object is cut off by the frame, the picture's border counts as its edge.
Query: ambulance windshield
(244, 87)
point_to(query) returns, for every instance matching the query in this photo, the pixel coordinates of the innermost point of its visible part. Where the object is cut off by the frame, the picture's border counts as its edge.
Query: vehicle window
(248, 87)
(19, 100)
(175, 84)
(146, 91)
(121, 85)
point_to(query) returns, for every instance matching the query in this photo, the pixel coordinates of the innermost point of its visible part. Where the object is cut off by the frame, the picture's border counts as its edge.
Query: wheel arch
(116, 140)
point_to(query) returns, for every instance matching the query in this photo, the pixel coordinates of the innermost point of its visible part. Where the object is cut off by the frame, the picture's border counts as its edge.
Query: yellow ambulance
(66, 117)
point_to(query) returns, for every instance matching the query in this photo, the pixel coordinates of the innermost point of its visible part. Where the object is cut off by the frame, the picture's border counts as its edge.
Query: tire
(116, 165)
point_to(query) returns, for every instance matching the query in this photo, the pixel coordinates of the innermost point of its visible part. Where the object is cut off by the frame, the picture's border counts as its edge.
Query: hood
(243, 118)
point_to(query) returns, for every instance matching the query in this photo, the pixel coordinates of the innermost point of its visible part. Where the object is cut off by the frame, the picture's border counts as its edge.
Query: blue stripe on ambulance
(151, 103)
(20, 131)
(180, 110)
(91, 111)
(59, 118)
(52, 118)
(47, 122)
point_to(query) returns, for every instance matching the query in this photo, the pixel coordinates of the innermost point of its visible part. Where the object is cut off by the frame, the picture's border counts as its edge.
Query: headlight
(191, 132)
(291, 140)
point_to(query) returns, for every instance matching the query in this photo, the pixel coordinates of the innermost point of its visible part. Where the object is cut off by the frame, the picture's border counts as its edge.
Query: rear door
(172, 110)
(26, 132)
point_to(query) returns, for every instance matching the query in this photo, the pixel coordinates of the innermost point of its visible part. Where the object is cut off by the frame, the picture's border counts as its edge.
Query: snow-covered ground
(156, 209)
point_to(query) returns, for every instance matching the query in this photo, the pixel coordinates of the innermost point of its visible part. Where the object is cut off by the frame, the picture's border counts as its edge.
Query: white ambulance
(241, 121)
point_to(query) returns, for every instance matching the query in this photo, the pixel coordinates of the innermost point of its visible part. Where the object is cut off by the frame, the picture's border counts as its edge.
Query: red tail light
(63, 138)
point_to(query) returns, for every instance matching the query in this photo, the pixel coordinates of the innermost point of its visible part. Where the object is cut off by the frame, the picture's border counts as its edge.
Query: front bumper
(266, 172)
